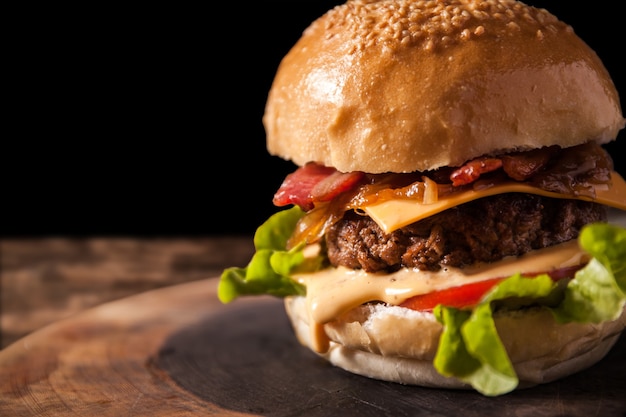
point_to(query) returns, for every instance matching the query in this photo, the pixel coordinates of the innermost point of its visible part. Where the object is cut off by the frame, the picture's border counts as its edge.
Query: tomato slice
(459, 297)
(468, 295)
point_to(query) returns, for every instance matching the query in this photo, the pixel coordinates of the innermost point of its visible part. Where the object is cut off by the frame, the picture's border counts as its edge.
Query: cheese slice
(394, 214)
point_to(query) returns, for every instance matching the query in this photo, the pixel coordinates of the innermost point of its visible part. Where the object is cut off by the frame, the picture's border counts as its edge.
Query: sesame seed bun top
(408, 85)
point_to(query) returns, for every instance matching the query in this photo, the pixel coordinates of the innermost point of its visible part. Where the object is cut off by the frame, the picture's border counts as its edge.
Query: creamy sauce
(334, 291)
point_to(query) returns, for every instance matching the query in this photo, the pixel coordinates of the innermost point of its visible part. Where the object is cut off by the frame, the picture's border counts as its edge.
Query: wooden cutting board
(178, 351)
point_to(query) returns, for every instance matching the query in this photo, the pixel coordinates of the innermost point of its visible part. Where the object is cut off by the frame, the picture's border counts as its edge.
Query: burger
(447, 222)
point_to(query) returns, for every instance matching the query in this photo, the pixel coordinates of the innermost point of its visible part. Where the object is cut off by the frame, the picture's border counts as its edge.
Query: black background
(147, 121)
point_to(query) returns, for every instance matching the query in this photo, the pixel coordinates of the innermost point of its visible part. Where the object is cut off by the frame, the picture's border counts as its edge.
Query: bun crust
(379, 341)
(402, 86)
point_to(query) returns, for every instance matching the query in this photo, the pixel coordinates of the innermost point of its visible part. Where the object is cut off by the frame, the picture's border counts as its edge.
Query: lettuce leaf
(598, 292)
(476, 336)
(268, 272)
(470, 348)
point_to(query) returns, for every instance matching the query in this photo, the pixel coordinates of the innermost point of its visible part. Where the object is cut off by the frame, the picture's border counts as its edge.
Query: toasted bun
(396, 344)
(402, 86)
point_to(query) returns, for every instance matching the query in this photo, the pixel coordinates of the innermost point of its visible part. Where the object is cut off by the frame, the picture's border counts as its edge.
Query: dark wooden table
(46, 279)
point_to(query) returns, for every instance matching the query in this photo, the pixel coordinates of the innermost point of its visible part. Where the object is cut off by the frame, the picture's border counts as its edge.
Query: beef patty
(483, 230)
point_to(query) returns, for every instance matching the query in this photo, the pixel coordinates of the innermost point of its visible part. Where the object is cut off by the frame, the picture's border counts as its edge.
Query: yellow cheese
(333, 291)
(394, 214)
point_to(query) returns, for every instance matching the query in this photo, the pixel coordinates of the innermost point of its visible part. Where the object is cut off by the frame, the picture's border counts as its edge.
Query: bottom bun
(397, 344)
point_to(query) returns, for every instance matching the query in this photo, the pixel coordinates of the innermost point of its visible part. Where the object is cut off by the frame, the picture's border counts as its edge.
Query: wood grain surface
(43, 280)
(98, 363)
(177, 351)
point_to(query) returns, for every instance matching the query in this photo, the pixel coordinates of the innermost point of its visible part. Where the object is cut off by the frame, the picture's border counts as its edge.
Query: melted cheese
(394, 214)
(332, 292)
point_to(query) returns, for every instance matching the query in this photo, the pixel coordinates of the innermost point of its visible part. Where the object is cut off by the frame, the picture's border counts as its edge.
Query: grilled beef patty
(484, 230)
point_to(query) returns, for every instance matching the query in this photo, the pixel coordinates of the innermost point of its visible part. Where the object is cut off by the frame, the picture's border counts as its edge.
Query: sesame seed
(434, 24)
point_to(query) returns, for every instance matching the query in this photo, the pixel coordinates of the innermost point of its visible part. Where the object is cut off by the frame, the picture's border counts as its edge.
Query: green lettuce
(269, 270)
(469, 348)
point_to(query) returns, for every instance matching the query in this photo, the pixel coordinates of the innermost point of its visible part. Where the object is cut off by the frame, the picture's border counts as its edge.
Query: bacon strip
(473, 169)
(313, 183)
(523, 165)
